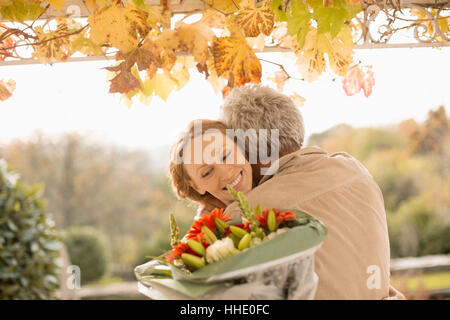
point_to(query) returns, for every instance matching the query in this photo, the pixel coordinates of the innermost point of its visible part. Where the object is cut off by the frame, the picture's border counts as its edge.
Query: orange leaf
(6, 89)
(235, 60)
(254, 20)
(124, 82)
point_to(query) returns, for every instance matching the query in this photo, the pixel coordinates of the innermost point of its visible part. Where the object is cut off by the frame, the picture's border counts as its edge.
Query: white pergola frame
(375, 9)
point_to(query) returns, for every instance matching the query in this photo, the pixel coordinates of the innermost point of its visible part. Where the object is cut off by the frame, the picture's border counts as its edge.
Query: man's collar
(284, 162)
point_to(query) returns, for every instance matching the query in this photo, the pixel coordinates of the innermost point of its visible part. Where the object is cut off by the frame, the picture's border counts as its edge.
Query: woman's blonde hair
(180, 179)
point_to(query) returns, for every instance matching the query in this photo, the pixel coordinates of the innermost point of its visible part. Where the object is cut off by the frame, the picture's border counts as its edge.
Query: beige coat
(353, 262)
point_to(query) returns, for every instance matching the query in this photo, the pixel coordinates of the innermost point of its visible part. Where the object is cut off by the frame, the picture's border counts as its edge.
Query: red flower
(287, 215)
(245, 226)
(206, 220)
(177, 251)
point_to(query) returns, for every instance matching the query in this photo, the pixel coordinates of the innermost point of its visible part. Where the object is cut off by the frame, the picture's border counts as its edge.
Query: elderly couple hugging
(353, 262)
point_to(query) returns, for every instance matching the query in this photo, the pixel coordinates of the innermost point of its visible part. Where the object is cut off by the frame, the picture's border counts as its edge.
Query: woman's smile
(236, 182)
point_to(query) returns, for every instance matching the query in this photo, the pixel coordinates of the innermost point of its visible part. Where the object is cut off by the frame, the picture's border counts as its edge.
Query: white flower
(220, 250)
(277, 233)
(255, 241)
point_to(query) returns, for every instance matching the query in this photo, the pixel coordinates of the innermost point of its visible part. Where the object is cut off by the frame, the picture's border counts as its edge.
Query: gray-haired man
(337, 189)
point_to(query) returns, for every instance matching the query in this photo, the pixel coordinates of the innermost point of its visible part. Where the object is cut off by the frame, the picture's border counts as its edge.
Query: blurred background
(99, 170)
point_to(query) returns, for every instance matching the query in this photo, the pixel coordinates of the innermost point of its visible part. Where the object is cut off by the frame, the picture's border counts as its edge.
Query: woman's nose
(224, 173)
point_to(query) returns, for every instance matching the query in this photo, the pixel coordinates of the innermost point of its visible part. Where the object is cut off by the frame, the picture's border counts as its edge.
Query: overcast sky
(74, 97)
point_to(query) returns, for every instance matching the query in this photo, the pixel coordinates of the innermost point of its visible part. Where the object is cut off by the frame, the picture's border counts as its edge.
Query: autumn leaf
(255, 20)
(157, 15)
(161, 50)
(235, 60)
(124, 82)
(217, 83)
(6, 43)
(54, 46)
(356, 79)
(85, 45)
(353, 2)
(57, 4)
(279, 78)
(353, 80)
(95, 5)
(226, 6)
(213, 18)
(7, 89)
(310, 59)
(162, 84)
(194, 39)
(339, 51)
(299, 100)
(368, 82)
(120, 27)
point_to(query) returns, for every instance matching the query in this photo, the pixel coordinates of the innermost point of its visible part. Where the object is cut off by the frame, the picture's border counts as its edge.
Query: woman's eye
(206, 173)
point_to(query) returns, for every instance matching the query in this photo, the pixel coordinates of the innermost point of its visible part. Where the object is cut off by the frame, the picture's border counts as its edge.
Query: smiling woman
(208, 160)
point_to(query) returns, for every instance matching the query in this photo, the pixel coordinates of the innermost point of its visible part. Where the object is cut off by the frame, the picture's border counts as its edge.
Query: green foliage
(299, 15)
(20, 10)
(88, 249)
(333, 17)
(367, 140)
(416, 230)
(29, 244)
(298, 22)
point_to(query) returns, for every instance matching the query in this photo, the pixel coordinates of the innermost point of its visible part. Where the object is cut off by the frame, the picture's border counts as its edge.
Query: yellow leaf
(57, 4)
(254, 20)
(213, 18)
(163, 85)
(58, 49)
(339, 53)
(180, 74)
(194, 38)
(95, 5)
(158, 15)
(226, 6)
(120, 27)
(85, 45)
(234, 59)
(310, 59)
(161, 49)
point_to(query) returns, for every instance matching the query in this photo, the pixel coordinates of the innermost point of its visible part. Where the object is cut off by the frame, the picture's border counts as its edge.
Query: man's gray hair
(254, 106)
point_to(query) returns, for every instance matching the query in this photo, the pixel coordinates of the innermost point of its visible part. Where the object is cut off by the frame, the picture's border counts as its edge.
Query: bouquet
(271, 247)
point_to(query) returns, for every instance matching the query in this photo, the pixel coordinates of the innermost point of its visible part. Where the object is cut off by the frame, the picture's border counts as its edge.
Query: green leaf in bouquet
(247, 211)
(174, 231)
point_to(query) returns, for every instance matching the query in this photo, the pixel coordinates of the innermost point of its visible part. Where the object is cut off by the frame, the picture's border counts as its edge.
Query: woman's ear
(196, 188)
